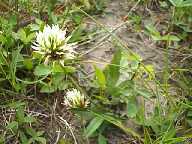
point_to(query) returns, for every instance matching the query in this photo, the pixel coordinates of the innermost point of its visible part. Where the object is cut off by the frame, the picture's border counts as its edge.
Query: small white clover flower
(74, 99)
(52, 44)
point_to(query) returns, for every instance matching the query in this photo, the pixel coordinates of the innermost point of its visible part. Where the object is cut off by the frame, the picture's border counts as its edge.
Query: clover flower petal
(75, 99)
(52, 44)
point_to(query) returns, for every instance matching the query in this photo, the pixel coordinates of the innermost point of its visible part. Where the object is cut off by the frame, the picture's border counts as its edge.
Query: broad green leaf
(30, 141)
(187, 3)
(77, 18)
(28, 64)
(59, 81)
(185, 27)
(100, 77)
(22, 35)
(189, 121)
(58, 78)
(156, 38)
(129, 66)
(57, 68)
(23, 137)
(181, 3)
(176, 3)
(69, 69)
(40, 133)
(143, 92)
(30, 37)
(42, 70)
(115, 121)
(170, 38)
(152, 30)
(93, 126)
(102, 139)
(41, 140)
(189, 114)
(126, 88)
(30, 131)
(13, 20)
(46, 88)
(112, 71)
(131, 109)
(63, 85)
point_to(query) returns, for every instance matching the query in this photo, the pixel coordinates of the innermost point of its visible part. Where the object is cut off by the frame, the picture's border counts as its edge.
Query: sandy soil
(138, 42)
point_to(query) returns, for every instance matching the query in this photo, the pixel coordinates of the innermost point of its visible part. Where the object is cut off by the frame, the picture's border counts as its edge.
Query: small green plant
(116, 87)
(163, 120)
(182, 14)
(20, 126)
(11, 57)
(156, 35)
(136, 21)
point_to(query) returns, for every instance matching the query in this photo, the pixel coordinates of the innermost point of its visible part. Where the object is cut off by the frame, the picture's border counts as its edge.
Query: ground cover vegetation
(48, 96)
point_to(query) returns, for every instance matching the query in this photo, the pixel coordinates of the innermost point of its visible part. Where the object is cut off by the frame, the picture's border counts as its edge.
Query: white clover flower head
(75, 99)
(52, 44)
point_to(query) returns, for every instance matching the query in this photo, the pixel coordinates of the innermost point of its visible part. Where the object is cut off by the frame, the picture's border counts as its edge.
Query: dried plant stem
(70, 129)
